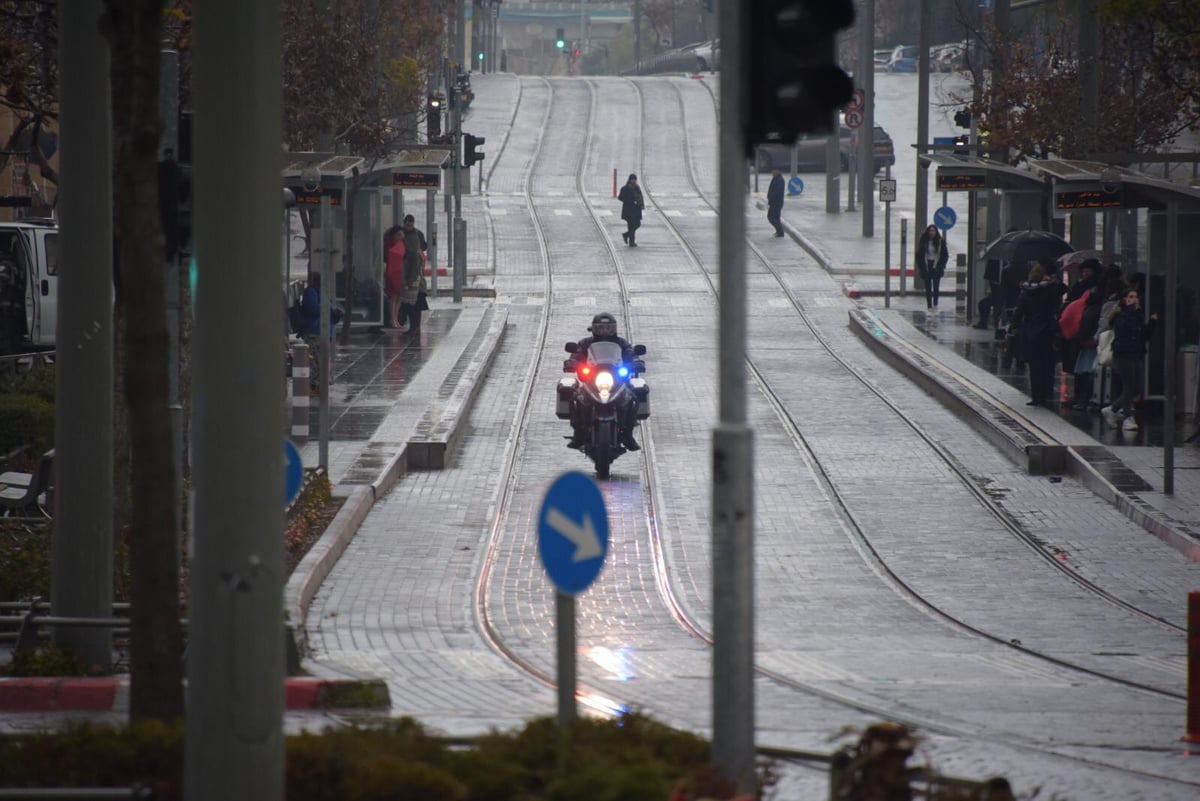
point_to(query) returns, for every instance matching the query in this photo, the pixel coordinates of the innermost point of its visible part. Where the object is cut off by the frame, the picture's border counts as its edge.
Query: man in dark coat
(632, 204)
(1037, 322)
(775, 201)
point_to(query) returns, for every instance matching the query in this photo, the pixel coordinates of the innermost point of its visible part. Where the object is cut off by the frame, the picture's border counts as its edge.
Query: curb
(111, 694)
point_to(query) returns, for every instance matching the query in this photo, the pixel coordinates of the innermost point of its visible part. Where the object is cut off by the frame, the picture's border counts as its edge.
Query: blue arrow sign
(293, 472)
(945, 218)
(795, 185)
(573, 532)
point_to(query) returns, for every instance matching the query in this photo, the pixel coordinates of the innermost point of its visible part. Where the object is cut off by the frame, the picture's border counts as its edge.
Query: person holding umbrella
(931, 262)
(1036, 319)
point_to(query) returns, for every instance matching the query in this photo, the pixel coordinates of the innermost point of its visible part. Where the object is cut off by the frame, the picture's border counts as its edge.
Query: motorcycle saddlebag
(566, 390)
(641, 391)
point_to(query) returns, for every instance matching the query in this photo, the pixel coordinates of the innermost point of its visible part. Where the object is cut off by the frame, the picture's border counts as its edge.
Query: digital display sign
(951, 181)
(307, 198)
(1086, 199)
(417, 180)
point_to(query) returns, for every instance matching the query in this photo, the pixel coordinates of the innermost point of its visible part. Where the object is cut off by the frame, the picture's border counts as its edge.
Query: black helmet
(603, 325)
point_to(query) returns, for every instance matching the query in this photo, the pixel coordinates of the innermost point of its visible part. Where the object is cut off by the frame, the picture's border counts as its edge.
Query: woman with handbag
(1085, 344)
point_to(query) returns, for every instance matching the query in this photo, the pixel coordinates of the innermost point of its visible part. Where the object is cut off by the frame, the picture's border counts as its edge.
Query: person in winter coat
(632, 205)
(1130, 335)
(775, 201)
(1037, 323)
(413, 300)
(1088, 275)
(931, 262)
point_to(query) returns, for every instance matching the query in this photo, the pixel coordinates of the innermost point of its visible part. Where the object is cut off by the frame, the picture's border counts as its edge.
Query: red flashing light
(585, 370)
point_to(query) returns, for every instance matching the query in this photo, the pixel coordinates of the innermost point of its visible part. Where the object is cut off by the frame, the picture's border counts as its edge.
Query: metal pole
(459, 276)
(851, 180)
(81, 584)
(903, 257)
(866, 136)
(733, 444)
(1169, 346)
(324, 354)
(564, 622)
(169, 105)
(431, 235)
(234, 726)
(921, 217)
(887, 248)
(833, 169)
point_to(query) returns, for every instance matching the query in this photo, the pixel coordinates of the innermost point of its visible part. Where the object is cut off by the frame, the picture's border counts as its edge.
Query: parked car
(882, 57)
(811, 152)
(31, 245)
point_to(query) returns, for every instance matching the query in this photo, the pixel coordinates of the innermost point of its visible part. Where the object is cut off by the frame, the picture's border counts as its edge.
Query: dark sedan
(811, 152)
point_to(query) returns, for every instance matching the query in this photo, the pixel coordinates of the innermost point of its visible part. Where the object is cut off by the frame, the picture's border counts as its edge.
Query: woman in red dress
(393, 249)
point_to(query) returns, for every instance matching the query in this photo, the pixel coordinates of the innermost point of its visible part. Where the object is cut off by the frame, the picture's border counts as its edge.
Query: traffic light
(472, 156)
(794, 84)
(481, 55)
(433, 116)
(962, 144)
(962, 118)
(560, 38)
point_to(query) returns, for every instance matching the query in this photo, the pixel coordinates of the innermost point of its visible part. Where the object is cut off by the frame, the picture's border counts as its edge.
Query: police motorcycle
(596, 399)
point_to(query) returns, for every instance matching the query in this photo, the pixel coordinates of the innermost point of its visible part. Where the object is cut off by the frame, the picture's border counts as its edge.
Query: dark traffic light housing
(962, 118)
(794, 83)
(471, 155)
(433, 116)
(560, 38)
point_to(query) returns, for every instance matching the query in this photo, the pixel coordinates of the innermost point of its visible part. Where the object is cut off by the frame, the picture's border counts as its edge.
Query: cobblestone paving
(401, 602)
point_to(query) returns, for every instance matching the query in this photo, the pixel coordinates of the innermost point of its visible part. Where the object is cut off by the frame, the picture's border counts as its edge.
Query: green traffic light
(560, 44)
(481, 56)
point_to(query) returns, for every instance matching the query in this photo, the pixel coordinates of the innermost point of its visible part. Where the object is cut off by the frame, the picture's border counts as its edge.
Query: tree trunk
(134, 29)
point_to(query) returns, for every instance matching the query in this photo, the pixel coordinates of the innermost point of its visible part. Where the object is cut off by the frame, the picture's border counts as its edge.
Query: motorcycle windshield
(608, 353)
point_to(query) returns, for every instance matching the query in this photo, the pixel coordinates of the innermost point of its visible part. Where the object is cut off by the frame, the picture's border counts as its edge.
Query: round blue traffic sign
(573, 532)
(293, 472)
(795, 185)
(945, 218)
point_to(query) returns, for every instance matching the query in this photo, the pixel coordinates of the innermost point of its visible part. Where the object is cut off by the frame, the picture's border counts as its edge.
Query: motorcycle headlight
(604, 381)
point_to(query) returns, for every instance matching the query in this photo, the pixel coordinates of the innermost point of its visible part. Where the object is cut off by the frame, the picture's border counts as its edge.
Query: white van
(32, 244)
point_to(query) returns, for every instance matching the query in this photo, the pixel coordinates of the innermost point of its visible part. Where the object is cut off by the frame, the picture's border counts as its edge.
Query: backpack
(296, 316)
(1071, 316)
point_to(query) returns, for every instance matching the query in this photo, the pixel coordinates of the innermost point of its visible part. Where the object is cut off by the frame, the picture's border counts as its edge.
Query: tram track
(651, 500)
(861, 536)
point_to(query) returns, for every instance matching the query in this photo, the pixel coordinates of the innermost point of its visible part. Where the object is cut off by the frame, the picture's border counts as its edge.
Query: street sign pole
(564, 623)
(887, 193)
(572, 544)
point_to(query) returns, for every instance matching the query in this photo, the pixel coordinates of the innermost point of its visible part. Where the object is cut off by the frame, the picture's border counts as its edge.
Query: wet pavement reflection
(984, 350)
(371, 370)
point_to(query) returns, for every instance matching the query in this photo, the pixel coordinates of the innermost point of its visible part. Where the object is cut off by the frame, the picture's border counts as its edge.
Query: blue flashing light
(623, 371)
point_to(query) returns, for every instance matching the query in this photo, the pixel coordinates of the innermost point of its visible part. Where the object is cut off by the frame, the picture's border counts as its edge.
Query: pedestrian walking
(931, 263)
(1130, 335)
(393, 276)
(632, 205)
(413, 300)
(775, 201)
(1036, 319)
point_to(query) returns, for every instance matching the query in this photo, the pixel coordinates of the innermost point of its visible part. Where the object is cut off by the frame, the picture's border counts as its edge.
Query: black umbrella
(1023, 247)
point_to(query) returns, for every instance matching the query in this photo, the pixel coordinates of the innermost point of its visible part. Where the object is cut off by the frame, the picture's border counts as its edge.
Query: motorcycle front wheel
(602, 447)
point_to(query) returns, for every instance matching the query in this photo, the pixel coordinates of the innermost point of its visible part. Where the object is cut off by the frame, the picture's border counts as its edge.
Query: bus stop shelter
(366, 197)
(1172, 278)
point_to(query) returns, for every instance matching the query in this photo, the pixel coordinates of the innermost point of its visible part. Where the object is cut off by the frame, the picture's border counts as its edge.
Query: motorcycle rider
(604, 329)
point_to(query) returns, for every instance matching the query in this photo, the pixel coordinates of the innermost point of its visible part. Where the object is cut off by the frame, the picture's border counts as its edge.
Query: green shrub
(48, 661)
(26, 420)
(39, 381)
(25, 562)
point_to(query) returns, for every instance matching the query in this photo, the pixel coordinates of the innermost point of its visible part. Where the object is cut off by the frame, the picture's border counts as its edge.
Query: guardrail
(17, 363)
